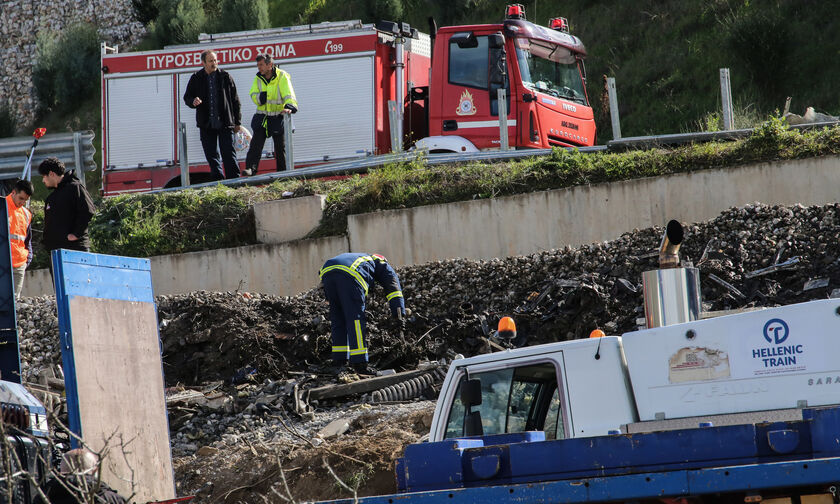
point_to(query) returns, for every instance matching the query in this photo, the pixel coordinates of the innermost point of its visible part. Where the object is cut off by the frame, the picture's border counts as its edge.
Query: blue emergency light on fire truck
(743, 407)
(397, 87)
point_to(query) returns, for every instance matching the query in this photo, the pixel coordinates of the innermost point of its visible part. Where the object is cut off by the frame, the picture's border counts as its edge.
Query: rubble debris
(334, 428)
(811, 116)
(731, 288)
(815, 283)
(361, 386)
(412, 388)
(789, 264)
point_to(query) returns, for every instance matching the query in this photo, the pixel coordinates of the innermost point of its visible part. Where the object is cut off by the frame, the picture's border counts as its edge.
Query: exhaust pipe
(672, 293)
(670, 247)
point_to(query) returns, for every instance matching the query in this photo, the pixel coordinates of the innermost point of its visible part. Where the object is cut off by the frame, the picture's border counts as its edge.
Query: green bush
(239, 15)
(178, 22)
(66, 70)
(145, 11)
(8, 121)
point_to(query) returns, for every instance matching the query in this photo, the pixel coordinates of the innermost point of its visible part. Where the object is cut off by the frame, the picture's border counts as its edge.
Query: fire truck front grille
(561, 141)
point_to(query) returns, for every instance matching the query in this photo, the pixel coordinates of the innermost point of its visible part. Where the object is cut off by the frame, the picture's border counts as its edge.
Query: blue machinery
(803, 455)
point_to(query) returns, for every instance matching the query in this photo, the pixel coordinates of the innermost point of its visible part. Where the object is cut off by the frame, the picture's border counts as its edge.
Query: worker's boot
(334, 369)
(363, 368)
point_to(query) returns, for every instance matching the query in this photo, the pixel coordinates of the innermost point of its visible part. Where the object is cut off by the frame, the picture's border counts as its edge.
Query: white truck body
(760, 361)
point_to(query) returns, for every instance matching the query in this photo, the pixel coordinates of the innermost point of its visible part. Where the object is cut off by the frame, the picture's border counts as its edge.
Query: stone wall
(21, 21)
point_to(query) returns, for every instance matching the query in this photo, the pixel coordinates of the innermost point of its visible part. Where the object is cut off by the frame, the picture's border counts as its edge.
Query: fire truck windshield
(550, 69)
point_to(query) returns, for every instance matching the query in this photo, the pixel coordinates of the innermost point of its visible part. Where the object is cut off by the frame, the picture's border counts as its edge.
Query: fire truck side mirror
(465, 40)
(496, 41)
(498, 60)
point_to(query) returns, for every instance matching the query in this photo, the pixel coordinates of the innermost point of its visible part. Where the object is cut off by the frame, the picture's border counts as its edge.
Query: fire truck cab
(541, 70)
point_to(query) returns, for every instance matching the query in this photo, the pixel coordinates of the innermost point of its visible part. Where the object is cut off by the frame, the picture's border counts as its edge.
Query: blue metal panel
(104, 276)
(791, 474)
(9, 349)
(637, 453)
(98, 276)
(458, 464)
(759, 476)
(433, 466)
(825, 425)
(436, 465)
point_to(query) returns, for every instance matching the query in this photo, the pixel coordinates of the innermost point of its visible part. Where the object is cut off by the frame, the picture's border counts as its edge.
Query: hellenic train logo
(776, 331)
(777, 357)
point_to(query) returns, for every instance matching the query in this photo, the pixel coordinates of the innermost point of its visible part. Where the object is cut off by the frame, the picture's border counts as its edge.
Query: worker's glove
(263, 97)
(400, 319)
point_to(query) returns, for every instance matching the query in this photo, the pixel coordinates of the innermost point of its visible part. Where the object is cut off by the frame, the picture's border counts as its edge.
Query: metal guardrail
(363, 164)
(654, 141)
(73, 149)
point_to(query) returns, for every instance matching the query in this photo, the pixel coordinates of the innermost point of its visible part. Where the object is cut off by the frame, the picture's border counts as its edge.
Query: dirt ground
(363, 458)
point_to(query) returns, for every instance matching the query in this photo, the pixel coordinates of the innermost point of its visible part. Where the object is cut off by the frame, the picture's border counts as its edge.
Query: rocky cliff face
(21, 21)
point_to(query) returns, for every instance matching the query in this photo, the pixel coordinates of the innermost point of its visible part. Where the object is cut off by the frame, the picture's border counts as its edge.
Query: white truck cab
(568, 389)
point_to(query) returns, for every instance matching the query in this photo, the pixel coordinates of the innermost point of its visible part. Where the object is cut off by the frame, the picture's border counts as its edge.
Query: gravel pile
(240, 354)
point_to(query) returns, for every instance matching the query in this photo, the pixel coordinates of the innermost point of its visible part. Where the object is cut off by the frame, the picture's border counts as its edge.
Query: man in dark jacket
(212, 93)
(67, 210)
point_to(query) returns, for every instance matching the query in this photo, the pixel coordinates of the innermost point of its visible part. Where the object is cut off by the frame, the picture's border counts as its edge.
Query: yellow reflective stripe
(394, 295)
(360, 343)
(16, 237)
(359, 261)
(347, 270)
(340, 348)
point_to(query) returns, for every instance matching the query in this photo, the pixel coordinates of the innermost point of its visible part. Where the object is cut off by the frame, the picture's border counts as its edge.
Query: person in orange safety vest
(20, 230)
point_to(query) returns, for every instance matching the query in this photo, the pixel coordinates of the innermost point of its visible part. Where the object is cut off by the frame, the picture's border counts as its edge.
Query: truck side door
(515, 399)
(469, 98)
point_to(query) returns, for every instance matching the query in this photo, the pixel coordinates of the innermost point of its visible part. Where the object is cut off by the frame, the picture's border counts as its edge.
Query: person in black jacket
(212, 93)
(67, 210)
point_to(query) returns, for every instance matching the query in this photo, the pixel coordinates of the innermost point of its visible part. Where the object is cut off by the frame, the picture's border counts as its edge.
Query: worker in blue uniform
(346, 279)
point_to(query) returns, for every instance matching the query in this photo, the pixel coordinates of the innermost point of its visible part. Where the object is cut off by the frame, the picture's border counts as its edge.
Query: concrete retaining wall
(283, 269)
(280, 221)
(516, 225)
(501, 227)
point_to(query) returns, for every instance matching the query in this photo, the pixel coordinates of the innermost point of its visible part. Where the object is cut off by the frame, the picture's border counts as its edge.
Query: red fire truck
(344, 75)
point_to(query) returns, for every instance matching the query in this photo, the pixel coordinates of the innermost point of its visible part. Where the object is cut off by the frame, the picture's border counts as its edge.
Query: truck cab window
(513, 400)
(469, 66)
(551, 70)
(553, 419)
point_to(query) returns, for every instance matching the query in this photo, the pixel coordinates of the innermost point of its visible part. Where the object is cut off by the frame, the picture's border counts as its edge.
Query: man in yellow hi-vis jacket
(274, 96)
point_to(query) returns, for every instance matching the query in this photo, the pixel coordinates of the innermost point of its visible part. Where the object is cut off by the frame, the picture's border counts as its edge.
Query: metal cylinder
(399, 46)
(672, 296)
